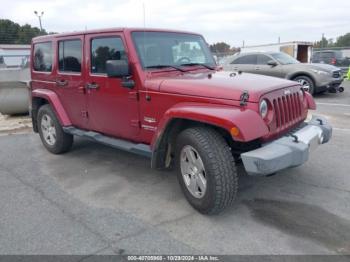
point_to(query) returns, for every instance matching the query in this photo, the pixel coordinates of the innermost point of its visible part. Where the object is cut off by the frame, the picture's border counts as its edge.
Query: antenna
(148, 98)
(144, 14)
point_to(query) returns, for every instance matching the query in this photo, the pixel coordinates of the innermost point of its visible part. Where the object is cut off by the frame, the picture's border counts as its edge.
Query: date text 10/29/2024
(173, 258)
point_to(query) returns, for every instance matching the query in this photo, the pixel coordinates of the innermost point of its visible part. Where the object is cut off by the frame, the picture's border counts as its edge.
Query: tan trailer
(301, 51)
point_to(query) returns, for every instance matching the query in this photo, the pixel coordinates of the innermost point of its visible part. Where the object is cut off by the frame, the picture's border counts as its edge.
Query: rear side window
(327, 55)
(103, 49)
(42, 57)
(247, 59)
(69, 56)
(316, 56)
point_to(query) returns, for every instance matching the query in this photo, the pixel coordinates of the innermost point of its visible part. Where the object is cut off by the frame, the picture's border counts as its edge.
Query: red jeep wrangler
(160, 94)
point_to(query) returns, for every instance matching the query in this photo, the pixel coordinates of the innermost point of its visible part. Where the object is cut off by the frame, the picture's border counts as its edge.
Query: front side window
(42, 61)
(245, 60)
(284, 59)
(174, 49)
(103, 49)
(69, 55)
(263, 59)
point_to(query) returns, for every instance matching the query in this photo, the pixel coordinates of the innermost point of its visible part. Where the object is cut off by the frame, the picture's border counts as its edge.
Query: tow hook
(320, 121)
(296, 140)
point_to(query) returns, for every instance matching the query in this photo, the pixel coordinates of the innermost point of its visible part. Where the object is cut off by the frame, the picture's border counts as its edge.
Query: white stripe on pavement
(341, 129)
(332, 104)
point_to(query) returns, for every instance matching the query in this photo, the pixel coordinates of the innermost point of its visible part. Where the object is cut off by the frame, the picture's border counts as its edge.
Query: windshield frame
(295, 61)
(203, 45)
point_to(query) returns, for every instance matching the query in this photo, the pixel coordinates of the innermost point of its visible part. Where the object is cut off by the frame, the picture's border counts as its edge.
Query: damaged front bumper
(289, 151)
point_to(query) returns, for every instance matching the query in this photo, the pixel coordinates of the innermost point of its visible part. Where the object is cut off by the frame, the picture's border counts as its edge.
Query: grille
(288, 110)
(336, 74)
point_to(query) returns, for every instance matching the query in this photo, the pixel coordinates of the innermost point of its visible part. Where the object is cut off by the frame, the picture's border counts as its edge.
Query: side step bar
(140, 149)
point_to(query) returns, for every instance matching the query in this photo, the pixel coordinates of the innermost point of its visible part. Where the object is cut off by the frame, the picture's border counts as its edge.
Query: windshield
(161, 49)
(284, 59)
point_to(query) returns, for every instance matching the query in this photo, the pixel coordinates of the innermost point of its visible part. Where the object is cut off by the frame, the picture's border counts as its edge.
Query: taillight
(333, 61)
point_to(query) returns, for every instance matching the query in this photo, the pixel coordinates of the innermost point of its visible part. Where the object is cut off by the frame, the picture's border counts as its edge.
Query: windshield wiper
(198, 64)
(163, 66)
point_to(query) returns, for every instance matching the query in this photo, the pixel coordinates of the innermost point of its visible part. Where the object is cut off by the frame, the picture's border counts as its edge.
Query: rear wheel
(206, 169)
(51, 133)
(306, 82)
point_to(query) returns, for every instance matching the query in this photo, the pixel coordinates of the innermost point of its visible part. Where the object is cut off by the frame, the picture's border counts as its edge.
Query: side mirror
(117, 68)
(272, 63)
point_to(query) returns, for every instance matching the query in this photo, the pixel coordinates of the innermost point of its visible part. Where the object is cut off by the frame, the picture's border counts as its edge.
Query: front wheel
(307, 83)
(206, 169)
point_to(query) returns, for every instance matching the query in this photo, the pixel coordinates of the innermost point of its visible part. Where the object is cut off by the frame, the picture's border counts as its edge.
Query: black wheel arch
(37, 102)
(297, 74)
(164, 146)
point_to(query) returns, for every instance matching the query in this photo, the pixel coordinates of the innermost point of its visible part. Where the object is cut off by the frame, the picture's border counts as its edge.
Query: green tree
(8, 31)
(322, 43)
(343, 40)
(13, 33)
(26, 33)
(220, 47)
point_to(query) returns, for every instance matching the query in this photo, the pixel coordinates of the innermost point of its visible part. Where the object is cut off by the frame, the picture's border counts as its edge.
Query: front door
(112, 108)
(264, 69)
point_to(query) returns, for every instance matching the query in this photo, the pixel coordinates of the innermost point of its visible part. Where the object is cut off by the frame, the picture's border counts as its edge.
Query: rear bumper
(289, 151)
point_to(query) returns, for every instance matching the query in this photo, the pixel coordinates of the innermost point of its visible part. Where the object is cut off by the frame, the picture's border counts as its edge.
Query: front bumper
(330, 84)
(289, 151)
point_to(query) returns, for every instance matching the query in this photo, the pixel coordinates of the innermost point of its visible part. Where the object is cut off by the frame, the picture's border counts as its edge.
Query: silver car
(316, 78)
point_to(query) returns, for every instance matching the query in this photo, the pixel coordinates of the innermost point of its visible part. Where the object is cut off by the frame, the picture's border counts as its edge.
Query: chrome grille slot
(336, 74)
(287, 110)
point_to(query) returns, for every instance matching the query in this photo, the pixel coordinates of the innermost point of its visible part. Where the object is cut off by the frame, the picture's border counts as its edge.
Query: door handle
(257, 68)
(61, 82)
(92, 85)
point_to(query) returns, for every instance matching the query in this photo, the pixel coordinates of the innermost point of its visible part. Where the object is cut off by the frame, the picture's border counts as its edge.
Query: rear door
(113, 109)
(326, 57)
(264, 69)
(244, 63)
(70, 79)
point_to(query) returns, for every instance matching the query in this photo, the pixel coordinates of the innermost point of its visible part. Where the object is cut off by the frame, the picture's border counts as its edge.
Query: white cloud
(255, 21)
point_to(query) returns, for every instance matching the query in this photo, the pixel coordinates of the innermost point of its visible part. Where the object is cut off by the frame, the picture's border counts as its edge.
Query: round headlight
(263, 108)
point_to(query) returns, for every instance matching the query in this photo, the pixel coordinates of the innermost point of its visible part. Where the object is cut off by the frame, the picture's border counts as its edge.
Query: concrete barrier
(14, 92)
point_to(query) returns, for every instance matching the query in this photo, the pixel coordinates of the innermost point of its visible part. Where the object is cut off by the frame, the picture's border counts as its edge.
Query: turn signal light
(234, 131)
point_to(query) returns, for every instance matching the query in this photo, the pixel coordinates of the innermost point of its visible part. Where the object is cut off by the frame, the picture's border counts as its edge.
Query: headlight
(320, 72)
(263, 108)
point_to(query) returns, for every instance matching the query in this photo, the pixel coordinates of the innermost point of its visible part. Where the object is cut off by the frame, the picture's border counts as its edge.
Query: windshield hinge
(244, 97)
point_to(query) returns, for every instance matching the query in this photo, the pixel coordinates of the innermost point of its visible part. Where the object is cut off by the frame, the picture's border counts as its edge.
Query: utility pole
(39, 16)
(322, 42)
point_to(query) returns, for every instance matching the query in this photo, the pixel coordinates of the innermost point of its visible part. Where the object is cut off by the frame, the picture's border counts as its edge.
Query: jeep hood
(221, 85)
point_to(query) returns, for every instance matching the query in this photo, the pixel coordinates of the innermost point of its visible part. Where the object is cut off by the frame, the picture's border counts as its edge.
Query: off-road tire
(220, 169)
(63, 142)
(310, 82)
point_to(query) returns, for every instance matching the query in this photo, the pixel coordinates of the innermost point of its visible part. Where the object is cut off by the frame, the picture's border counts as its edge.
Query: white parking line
(332, 104)
(341, 129)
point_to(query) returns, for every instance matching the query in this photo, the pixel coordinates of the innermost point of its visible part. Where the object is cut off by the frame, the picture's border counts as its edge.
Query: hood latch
(244, 98)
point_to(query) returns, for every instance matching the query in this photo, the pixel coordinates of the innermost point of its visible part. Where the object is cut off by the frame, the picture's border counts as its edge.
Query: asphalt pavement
(99, 200)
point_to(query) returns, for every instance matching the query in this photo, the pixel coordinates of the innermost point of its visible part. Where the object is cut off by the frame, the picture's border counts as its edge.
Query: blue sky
(254, 21)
